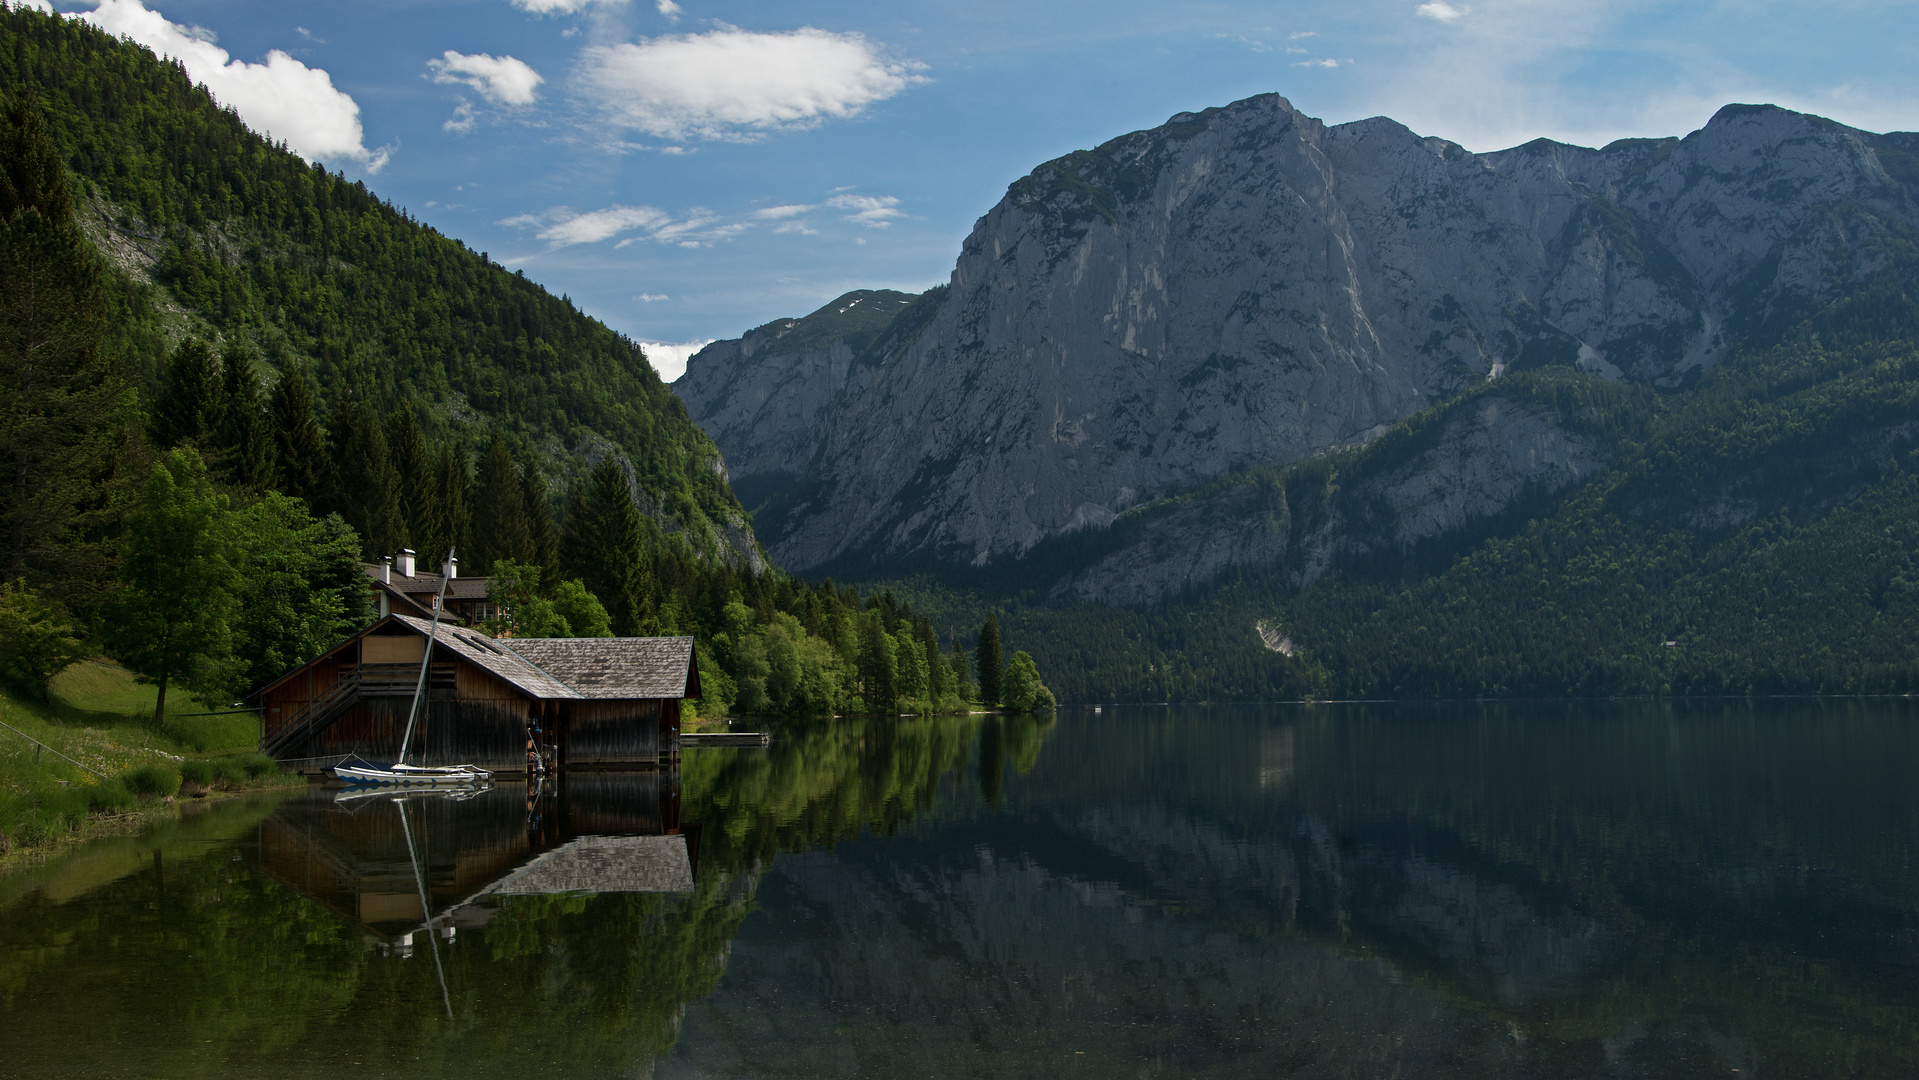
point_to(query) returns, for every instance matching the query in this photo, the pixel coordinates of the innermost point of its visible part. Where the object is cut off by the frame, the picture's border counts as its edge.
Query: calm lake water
(1621, 890)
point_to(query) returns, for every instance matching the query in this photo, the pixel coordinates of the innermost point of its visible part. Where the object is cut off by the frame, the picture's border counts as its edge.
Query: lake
(1539, 890)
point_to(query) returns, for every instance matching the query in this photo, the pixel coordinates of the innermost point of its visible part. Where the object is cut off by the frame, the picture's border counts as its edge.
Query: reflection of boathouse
(602, 832)
(597, 701)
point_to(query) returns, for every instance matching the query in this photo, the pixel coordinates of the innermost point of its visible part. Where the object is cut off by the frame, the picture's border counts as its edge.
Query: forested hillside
(221, 234)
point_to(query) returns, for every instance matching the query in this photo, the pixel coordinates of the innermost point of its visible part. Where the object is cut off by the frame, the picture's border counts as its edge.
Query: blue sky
(687, 170)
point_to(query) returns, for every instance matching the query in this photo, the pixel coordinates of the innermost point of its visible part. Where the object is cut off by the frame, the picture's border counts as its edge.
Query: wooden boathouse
(601, 702)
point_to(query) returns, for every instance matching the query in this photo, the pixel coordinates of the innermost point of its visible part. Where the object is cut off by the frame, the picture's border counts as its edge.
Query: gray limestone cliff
(763, 397)
(1247, 287)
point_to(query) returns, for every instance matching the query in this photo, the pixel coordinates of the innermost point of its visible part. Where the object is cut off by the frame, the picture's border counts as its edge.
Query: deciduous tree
(172, 621)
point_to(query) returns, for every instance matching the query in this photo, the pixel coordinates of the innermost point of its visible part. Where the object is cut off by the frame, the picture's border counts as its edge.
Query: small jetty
(694, 740)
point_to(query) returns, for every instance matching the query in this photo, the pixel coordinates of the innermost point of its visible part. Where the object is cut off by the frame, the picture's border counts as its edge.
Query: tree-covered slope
(221, 233)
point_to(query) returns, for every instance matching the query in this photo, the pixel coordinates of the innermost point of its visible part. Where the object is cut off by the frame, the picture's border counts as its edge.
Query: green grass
(100, 694)
(102, 718)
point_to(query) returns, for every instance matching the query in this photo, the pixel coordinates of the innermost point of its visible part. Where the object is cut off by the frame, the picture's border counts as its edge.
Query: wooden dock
(696, 740)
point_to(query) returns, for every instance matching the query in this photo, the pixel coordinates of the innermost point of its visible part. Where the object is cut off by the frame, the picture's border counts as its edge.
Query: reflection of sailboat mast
(426, 909)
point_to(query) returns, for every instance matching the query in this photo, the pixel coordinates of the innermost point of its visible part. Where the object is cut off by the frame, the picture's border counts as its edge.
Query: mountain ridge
(1124, 324)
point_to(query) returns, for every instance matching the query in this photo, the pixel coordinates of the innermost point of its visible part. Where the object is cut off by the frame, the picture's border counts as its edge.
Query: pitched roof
(659, 667)
(477, 648)
(460, 588)
(604, 864)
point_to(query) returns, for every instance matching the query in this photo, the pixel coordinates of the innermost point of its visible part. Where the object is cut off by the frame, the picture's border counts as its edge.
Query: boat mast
(426, 655)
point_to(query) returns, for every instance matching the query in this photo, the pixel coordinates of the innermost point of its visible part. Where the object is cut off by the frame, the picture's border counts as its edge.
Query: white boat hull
(358, 772)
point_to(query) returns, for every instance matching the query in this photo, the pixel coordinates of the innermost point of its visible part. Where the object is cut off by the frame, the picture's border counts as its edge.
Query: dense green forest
(232, 376)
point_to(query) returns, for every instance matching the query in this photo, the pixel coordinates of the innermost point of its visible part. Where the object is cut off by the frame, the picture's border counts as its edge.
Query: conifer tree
(190, 405)
(962, 672)
(245, 445)
(542, 541)
(604, 544)
(406, 449)
(362, 487)
(299, 445)
(990, 660)
(497, 500)
(65, 412)
(879, 673)
(447, 499)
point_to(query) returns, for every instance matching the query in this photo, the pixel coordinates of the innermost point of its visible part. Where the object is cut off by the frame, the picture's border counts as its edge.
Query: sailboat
(354, 769)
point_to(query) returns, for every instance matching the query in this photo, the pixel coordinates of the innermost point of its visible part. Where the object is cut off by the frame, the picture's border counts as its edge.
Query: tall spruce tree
(65, 412)
(299, 445)
(446, 514)
(542, 541)
(878, 665)
(361, 485)
(990, 661)
(191, 403)
(497, 500)
(245, 445)
(406, 449)
(604, 544)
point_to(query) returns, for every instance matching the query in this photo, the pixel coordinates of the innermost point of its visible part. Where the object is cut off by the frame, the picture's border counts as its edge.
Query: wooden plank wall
(611, 733)
(487, 733)
(622, 803)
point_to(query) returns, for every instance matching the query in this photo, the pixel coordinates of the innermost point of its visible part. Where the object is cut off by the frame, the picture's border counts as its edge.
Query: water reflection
(1585, 891)
(398, 864)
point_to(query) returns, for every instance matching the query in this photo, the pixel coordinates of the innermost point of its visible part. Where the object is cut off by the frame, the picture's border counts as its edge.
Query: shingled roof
(492, 655)
(616, 667)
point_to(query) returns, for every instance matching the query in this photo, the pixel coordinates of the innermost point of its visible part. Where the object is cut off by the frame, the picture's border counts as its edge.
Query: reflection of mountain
(1599, 892)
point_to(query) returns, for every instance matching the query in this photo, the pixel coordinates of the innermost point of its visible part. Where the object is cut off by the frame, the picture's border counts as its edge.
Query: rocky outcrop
(763, 397)
(1249, 287)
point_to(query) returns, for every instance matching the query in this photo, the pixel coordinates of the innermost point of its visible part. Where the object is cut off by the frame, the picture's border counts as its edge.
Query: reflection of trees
(822, 783)
(198, 963)
(210, 965)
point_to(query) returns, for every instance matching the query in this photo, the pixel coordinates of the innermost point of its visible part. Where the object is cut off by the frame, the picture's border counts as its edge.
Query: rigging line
(426, 912)
(43, 746)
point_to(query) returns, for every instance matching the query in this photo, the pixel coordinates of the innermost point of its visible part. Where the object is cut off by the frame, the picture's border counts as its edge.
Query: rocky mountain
(1247, 287)
(763, 396)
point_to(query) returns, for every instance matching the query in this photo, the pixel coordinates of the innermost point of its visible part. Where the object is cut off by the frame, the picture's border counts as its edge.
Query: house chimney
(386, 570)
(452, 567)
(406, 562)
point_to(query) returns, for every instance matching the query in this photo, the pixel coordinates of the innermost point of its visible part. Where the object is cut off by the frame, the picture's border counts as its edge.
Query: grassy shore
(125, 771)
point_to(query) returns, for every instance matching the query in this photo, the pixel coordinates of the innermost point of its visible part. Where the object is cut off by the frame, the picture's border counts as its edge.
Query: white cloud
(1318, 63)
(670, 360)
(736, 84)
(502, 80)
(1297, 34)
(463, 119)
(652, 297)
(775, 213)
(282, 98)
(558, 7)
(1440, 10)
(563, 227)
(872, 211)
(670, 9)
